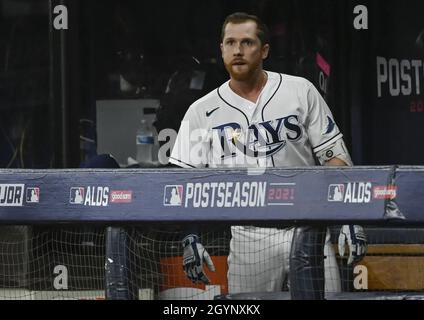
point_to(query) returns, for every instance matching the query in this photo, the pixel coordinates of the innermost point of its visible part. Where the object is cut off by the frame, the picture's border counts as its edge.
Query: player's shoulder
(206, 102)
(296, 81)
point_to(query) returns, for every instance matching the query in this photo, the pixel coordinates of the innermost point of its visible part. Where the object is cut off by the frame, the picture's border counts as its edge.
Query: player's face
(242, 50)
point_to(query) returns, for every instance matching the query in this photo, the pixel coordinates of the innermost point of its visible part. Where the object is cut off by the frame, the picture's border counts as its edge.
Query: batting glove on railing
(357, 242)
(193, 258)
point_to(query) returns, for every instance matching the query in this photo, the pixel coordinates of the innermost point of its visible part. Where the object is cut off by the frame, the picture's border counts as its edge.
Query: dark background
(50, 80)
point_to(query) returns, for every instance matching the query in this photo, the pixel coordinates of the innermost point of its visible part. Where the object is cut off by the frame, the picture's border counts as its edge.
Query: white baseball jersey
(289, 122)
(285, 127)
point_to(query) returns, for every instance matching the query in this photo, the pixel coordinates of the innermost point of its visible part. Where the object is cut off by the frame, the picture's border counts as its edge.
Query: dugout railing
(388, 197)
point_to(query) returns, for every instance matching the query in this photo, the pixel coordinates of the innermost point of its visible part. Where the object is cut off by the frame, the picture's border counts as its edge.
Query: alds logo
(90, 196)
(358, 192)
(97, 196)
(352, 192)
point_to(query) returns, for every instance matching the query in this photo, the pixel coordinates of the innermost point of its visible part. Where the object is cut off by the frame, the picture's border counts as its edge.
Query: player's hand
(357, 243)
(193, 258)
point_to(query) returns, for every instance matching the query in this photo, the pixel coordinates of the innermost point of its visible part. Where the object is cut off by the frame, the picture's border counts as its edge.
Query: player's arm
(334, 154)
(353, 235)
(190, 151)
(330, 150)
(336, 162)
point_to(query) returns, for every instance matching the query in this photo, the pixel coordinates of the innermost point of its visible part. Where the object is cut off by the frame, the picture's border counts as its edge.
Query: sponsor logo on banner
(32, 195)
(384, 192)
(352, 192)
(173, 196)
(11, 195)
(121, 196)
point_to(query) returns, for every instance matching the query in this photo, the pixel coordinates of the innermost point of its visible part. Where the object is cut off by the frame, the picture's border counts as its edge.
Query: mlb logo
(76, 196)
(173, 196)
(33, 195)
(336, 192)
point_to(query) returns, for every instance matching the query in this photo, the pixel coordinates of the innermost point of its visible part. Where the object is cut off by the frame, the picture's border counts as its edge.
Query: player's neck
(252, 88)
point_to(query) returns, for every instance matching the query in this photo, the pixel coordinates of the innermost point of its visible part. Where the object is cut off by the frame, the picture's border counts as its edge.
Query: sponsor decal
(351, 192)
(384, 192)
(32, 195)
(11, 195)
(173, 195)
(121, 196)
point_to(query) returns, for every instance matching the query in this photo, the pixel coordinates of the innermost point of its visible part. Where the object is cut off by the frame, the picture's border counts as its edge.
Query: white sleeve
(191, 148)
(321, 127)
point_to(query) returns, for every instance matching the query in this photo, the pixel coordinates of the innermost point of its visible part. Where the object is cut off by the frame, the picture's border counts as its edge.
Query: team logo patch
(32, 195)
(173, 195)
(77, 195)
(330, 126)
(336, 192)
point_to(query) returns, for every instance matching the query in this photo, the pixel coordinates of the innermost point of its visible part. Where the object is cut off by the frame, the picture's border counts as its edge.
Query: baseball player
(260, 119)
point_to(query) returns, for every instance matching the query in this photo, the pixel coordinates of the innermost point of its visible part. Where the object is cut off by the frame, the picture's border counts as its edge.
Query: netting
(68, 262)
(51, 263)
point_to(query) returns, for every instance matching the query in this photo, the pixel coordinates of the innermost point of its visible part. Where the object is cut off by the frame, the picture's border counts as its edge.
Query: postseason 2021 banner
(286, 195)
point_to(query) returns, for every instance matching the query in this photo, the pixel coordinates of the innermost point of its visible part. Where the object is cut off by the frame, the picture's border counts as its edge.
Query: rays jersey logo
(259, 140)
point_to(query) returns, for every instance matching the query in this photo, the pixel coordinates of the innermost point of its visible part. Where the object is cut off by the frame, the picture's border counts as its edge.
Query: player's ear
(265, 51)
(222, 49)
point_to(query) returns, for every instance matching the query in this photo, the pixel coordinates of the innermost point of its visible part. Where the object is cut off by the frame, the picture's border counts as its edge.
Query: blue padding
(410, 192)
(283, 195)
(117, 273)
